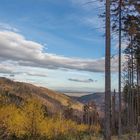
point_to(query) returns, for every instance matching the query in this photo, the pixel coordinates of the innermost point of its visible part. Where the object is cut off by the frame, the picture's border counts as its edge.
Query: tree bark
(107, 76)
(113, 113)
(119, 72)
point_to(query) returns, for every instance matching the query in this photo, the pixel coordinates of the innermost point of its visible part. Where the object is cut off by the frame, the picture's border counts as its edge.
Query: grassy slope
(54, 101)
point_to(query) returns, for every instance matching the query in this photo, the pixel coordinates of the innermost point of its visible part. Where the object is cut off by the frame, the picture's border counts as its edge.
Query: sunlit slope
(53, 100)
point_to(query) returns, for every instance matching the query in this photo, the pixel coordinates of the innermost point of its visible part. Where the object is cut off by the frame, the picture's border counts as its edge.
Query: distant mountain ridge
(98, 98)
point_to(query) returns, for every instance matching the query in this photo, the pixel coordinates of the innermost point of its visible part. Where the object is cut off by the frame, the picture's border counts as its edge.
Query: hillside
(98, 98)
(53, 100)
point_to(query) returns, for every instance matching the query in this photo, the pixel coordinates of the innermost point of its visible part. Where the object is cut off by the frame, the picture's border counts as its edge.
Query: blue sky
(66, 41)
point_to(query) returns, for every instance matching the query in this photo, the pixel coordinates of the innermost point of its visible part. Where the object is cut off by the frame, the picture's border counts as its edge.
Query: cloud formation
(16, 48)
(4, 26)
(82, 80)
(36, 74)
(5, 69)
(12, 71)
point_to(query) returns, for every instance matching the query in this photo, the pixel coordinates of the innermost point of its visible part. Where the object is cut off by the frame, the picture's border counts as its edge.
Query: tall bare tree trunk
(138, 84)
(119, 81)
(129, 97)
(132, 83)
(138, 70)
(107, 76)
(137, 95)
(114, 112)
(131, 87)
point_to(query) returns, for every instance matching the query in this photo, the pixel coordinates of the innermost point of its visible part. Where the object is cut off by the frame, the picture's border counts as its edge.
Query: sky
(57, 44)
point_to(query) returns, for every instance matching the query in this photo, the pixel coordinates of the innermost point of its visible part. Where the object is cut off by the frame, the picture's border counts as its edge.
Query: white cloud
(18, 49)
(11, 69)
(4, 26)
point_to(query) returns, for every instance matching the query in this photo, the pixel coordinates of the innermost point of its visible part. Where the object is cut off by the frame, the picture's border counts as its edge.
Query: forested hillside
(30, 112)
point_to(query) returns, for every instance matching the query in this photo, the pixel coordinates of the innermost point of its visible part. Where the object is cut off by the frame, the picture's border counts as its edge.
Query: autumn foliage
(29, 121)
